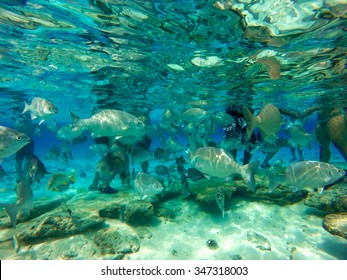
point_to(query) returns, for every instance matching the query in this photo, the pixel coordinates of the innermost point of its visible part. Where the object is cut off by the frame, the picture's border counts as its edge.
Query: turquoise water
(155, 60)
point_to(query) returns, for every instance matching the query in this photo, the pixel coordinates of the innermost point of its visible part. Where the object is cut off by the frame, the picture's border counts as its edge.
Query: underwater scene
(173, 130)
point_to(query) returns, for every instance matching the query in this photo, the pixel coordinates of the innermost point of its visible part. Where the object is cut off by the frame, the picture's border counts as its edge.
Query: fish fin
(12, 210)
(248, 172)
(26, 107)
(41, 121)
(74, 118)
(251, 122)
(33, 117)
(16, 243)
(274, 180)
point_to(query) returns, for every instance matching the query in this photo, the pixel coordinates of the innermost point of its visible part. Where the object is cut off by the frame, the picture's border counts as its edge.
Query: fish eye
(19, 137)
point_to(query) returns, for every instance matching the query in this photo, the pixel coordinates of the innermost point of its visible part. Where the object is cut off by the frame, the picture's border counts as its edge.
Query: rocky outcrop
(333, 200)
(139, 212)
(39, 207)
(116, 242)
(205, 191)
(336, 224)
(55, 225)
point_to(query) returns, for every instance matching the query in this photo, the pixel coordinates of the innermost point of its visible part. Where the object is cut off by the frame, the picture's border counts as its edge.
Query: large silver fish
(24, 201)
(11, 141)
(216, 162)
(194, 115)
(109, 122)
(40, 109)
(307, 174)
(147, 185)
(268, 121)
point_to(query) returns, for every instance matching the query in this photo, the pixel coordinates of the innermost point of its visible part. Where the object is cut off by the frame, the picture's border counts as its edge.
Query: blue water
(145, 57)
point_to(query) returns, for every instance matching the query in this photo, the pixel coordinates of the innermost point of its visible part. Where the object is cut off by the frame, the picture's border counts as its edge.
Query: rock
(76, 247)
(260, 241)
(56, 225)
(281, 195)
(113, 241)
(112, 211)
(336, 224)
(143, 233)
(332, 200)
(139, 212)
(205, 192)
(39, 207)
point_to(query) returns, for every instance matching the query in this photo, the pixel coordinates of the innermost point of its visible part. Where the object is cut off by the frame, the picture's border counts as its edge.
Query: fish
(100, 149)
(24, 201)
(307, 175)
(161, 170)
(161, 154)
(220, 199)
(139, 155)
(216, 162)
(68, 132)
(268, 121)
(147, 185)
(36, 170)
(194, 115)
(11, 141)
(267, 147)
(53, 153)
(40, 108)
(298, 135)
(108, 122)
(60, 182)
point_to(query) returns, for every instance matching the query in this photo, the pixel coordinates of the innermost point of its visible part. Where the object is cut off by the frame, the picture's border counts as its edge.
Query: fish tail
(251, 122)
(11, 210)
(274, 180)
(26, 107)
(248, 172)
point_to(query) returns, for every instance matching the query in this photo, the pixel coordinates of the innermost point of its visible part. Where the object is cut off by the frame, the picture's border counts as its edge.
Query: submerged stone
(332, 200)
(56, 225)
(260, 241)
(139, 212)
(40, 207)
(113, 241)
(336, 224)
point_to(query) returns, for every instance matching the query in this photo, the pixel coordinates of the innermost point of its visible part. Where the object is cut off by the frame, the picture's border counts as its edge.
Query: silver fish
(307, 174)
(40, 109)
(109, 122)
(268, 121)
(216, 162)
(194, 115)
(220, 199)
(11, 141)
(147, 185)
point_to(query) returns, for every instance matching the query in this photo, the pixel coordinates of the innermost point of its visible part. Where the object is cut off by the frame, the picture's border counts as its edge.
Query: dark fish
(36, 170)
(161, 170)
(220, 199)
(161, 154)
(194, 174)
